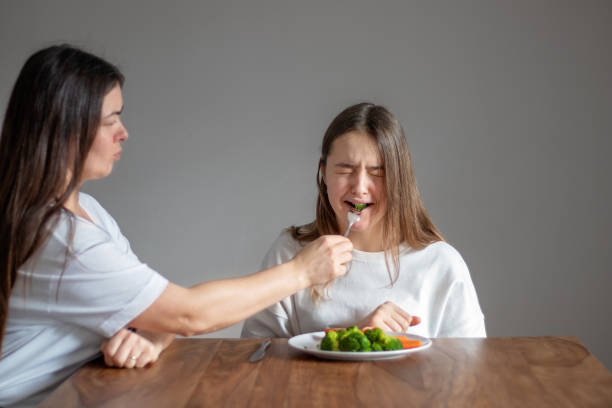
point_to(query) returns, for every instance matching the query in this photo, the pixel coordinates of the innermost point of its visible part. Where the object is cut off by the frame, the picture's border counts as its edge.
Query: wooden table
(493, 372)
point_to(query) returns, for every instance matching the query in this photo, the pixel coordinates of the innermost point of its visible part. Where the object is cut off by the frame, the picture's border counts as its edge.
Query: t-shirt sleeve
(104, 287)
(275, 321)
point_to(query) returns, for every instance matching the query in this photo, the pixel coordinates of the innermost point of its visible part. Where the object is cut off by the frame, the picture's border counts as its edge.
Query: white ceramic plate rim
(308, 343)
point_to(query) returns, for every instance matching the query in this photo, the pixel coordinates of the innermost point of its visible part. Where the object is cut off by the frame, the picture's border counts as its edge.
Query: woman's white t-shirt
(434, 283)
(61, 308)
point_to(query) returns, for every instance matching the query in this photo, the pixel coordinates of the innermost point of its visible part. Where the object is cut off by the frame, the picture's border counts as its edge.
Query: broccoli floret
(349, 343)
(342, 333)
(382, 338)
(360, 207)
(330, 341)
(353, 339)
(392, 343)
(383, 342)
(365, 343)
(374, 334)
(352, 342)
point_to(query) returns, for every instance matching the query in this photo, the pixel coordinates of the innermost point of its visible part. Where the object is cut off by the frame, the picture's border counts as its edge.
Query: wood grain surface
(493, 372)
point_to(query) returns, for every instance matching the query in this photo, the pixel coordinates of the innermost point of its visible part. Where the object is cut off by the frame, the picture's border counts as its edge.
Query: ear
(322, 171)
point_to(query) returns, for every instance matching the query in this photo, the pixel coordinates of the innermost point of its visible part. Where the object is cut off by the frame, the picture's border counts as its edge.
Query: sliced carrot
(409, 343)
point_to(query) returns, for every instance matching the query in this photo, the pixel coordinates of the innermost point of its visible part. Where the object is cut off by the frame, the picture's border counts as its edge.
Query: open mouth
(357, 207)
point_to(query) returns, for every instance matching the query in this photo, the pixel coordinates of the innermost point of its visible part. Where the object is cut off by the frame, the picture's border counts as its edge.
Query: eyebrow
(114, 113)
(352, 166)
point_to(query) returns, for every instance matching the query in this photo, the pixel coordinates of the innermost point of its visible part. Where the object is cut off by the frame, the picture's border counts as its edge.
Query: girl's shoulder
(285, 241)
(445, 251)
(282, 249)
(444, 257)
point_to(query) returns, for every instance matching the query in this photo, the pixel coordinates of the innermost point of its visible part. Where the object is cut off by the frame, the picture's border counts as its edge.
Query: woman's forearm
(159, 340)
(214, 305)
(227, 302)
(211, 306)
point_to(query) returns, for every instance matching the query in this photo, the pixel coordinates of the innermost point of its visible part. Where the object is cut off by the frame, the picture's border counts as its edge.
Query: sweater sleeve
(461, 314)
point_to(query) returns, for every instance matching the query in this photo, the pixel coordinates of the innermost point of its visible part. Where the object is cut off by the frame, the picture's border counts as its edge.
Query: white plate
(309, 343)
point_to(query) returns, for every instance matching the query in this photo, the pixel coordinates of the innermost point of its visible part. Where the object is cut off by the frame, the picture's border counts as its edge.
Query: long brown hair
(51, 120)
(406, 220)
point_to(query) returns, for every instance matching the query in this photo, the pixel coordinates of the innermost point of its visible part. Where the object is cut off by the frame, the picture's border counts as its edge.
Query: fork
(352, 218)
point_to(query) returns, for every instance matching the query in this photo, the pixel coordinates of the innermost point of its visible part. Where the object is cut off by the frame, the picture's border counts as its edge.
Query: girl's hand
(390, 317)
(128, 349)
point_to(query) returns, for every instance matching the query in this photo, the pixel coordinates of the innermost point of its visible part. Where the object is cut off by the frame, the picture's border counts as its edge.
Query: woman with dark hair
(402, 271)
(70, 284)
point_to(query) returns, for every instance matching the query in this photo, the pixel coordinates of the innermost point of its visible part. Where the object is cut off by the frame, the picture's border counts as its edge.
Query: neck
(366, 241)
(72, 203)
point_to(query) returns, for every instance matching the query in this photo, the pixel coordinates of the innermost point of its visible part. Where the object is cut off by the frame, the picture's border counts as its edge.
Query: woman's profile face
(106, 148)
(354, 175)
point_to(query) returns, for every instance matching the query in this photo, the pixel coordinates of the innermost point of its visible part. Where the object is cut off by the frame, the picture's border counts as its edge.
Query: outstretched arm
(214, 305)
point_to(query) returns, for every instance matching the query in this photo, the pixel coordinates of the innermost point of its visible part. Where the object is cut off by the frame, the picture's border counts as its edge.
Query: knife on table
(259, 353)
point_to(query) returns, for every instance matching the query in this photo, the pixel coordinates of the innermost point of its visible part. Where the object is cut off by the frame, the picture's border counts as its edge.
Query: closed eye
(344, 168)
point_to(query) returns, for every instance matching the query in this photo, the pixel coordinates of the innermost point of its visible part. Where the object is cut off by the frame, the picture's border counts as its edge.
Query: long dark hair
(50, 123)
(406, 220)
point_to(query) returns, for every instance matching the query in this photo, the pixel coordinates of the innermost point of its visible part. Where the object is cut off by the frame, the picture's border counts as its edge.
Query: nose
(122, 134)
(360, 182)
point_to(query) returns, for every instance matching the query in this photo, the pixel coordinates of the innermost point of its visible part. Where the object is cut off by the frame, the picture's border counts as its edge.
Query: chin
(107, 172)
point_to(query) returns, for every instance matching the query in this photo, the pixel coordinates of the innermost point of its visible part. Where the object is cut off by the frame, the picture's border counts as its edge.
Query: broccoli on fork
(360, 207)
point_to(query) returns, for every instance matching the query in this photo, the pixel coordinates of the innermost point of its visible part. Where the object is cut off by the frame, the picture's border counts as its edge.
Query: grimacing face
(106, 148)
(355, 176)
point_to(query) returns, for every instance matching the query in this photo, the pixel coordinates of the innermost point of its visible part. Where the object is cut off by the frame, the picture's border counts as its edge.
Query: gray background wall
(506, 106)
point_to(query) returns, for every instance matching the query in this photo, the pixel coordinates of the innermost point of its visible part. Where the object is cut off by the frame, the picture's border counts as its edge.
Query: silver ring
(133, 358)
